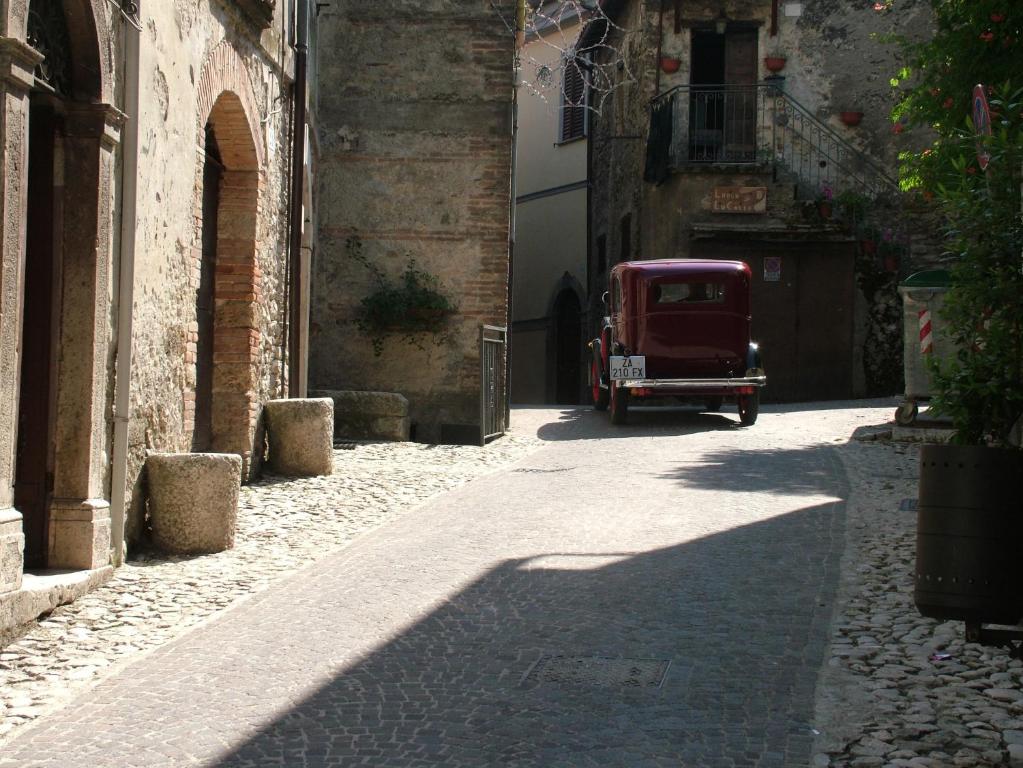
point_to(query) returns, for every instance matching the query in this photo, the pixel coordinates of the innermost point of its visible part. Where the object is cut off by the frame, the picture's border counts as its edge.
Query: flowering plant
(981, 387)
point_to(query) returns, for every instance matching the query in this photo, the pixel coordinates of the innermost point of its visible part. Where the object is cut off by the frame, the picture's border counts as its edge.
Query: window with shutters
(573, 99)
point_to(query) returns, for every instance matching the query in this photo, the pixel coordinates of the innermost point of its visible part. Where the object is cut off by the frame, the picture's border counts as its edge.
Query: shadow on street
(739, 619)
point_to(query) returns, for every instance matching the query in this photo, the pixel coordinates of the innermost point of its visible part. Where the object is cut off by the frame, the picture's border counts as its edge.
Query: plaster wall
(542, 162)
(179, 73)
(415, 151)
(529, 363)
(550, 244)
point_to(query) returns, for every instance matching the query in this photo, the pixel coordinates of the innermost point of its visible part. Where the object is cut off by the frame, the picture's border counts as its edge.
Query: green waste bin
(923, 336)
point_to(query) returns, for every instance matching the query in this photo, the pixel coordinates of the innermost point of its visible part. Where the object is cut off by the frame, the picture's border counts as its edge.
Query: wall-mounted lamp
(721, 23)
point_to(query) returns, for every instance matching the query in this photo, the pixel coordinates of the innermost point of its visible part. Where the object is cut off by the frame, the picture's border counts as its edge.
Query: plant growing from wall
(977, 41)
(413, 307)
(881, 259)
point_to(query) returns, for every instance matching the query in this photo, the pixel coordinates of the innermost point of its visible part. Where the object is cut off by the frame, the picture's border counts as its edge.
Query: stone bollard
(301, 436)
(193, 500)
(369, 415)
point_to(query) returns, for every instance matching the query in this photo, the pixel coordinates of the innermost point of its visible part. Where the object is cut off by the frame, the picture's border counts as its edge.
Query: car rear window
(689, 293)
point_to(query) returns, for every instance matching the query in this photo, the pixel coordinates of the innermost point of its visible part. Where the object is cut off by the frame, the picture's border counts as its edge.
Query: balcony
(751, 125)
(260, 11)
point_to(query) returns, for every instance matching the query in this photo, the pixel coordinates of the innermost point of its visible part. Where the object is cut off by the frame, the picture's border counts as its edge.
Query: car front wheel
(749, 408)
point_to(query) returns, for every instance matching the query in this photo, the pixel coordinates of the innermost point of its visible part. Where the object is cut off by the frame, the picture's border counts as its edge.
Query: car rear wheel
(600, 394)
(749, 408)
(619, 403)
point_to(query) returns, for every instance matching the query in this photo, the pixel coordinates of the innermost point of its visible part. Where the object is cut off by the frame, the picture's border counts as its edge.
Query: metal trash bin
(923, 336)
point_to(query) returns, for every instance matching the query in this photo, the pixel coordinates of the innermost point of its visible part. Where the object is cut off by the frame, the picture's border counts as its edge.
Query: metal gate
(493, 385)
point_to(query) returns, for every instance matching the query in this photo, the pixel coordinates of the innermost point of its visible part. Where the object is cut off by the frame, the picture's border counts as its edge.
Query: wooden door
(33, 480)
(802, 308)
(741, 98)
(205, 306)
(568, 348)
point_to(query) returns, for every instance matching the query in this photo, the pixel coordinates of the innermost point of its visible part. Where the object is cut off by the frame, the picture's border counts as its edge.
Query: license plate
(631, 367)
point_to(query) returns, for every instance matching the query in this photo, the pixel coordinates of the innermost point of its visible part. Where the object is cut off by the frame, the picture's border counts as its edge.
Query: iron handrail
(785, 131)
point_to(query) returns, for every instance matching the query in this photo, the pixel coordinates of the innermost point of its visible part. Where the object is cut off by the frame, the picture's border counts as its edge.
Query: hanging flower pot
(824, 209)
(775, 63)
(670, 65)
(851, 118)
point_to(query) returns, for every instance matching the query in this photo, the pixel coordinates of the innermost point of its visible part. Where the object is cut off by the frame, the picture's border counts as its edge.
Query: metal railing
(755, 124)
(493, 385)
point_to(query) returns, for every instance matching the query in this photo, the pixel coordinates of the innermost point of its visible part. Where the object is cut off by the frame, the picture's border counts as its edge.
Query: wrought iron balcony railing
(755, 124)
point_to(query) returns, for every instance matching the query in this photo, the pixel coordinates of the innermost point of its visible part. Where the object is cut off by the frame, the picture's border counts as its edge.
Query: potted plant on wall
(670, 64)
(775, 62)
(969, 524)
(411, 307)
(851, 117)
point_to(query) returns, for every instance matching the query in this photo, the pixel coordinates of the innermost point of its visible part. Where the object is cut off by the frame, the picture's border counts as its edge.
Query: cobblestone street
(677, 592)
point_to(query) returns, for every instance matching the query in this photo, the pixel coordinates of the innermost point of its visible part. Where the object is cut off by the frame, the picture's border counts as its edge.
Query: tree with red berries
(975, 178)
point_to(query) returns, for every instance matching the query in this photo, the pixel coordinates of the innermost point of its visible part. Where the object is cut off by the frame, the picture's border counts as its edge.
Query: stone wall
(415, 151)
(208, 60)
(835, 63)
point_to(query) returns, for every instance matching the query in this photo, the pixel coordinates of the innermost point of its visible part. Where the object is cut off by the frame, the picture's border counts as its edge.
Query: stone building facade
(710, 147)
(415, 155)
(143, 283)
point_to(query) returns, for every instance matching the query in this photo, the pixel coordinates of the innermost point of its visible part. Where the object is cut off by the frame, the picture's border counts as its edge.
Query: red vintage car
(677, 328)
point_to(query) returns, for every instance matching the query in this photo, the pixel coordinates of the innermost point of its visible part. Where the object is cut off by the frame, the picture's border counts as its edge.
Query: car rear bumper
(695, 384)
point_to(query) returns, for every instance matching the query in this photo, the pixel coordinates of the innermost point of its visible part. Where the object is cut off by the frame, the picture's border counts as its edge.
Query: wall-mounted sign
(739, 200)
(772, 269)
(981, 124)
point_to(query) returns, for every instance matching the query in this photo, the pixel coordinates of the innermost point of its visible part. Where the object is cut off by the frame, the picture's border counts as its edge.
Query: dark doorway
(202, 435)
(568, 346)
(723, 108)
(33, 482)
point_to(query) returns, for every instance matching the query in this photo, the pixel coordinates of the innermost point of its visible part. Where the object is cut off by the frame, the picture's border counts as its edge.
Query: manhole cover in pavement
(596, 670)
(542, 471)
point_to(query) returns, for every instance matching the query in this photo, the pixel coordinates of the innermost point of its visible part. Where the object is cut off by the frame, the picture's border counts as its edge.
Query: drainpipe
(295, 350)
(520, 41)
(125, 290)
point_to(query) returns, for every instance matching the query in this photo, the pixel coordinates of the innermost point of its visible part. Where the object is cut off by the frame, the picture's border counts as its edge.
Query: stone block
(193, 500)
(300, 434)
(369, 415)
(12, 548)
(79, 534)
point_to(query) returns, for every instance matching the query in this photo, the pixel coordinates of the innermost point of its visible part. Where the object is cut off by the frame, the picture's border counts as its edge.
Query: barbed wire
(589, 61)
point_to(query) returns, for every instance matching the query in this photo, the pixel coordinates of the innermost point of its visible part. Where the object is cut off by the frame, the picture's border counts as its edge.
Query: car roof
(664, 267)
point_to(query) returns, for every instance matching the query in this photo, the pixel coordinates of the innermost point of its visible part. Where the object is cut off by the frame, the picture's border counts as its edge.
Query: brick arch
(224, 72)
(227, 107)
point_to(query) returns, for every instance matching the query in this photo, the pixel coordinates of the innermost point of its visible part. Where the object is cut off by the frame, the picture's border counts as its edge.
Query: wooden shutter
(573, 102)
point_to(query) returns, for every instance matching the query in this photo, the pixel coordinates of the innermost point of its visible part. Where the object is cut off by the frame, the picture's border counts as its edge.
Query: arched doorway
(62, 428)
(567, 347)
(227, 338)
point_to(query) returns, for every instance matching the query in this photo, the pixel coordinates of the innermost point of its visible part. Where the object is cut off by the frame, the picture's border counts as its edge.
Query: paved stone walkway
(283, 525)
(678, 592)
(899, 689)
